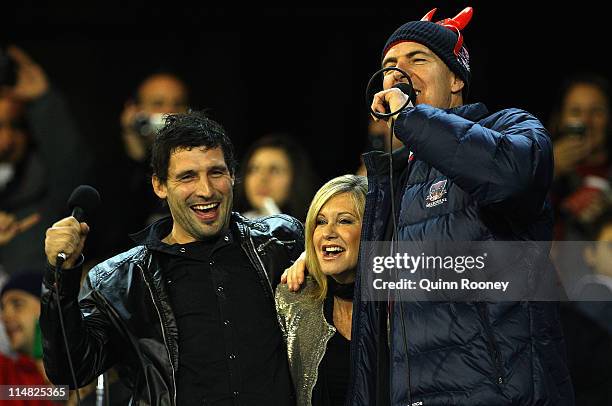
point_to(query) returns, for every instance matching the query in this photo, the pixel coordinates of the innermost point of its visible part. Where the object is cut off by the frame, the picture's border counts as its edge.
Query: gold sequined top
(306, 333)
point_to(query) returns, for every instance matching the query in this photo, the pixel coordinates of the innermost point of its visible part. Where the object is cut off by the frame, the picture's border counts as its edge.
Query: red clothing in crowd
(21, 371)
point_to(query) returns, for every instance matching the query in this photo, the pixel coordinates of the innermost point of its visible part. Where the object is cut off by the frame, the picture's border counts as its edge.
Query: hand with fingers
(568, 152)
(66, 236)
(294, 275)
(389, 100)
(10, 226)
(32, 81)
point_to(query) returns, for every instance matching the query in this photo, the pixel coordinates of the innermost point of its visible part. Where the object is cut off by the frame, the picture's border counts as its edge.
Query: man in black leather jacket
(187, 316)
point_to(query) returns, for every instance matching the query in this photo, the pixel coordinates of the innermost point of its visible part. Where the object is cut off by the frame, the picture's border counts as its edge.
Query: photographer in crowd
(156, 96)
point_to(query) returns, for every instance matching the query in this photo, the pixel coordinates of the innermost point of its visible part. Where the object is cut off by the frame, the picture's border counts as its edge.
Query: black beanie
(30, 282)
(441, 39)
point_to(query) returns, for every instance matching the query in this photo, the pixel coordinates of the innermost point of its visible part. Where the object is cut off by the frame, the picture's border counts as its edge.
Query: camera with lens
(8, 69)
(147, 125)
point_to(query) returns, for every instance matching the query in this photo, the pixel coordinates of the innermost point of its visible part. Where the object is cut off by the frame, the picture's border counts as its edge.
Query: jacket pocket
(492, 346)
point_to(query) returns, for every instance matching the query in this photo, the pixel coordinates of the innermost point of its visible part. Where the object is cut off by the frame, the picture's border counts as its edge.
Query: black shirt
(231, 350)
(333, 372)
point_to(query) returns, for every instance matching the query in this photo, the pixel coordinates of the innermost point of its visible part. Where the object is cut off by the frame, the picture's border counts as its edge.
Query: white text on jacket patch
(437, 191)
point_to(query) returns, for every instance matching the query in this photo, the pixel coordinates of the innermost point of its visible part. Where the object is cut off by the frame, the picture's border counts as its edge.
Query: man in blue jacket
(491, 173)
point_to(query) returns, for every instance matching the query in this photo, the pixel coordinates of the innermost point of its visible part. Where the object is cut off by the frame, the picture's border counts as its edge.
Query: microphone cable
(408, 89)
(84, 199)
(61, 257)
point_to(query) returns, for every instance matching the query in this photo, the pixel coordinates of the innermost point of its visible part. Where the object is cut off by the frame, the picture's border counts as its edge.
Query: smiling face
(435, 84)
(199, 193)
(336, 237)
(20, 310)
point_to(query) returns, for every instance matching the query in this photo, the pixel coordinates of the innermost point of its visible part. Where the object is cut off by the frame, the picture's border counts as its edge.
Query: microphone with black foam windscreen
(83, 202)
(405, 87)
(408, 90)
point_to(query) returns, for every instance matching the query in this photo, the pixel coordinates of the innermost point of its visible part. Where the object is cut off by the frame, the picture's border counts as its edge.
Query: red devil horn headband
(457, 23)
(429, 16)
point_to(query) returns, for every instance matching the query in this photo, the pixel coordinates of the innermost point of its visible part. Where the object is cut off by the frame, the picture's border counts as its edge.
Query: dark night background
(301, 70)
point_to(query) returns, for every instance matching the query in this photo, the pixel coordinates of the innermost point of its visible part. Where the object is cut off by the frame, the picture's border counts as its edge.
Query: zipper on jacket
(493, 348)
(262, 267)
(248, 246)
(261, 246)
(163, 328)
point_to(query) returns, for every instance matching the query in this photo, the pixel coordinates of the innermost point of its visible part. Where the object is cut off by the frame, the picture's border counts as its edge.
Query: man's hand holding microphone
(66, 238)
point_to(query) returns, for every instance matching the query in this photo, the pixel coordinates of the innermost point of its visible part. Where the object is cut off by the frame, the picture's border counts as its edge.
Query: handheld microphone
(408, 90)
(82, 203)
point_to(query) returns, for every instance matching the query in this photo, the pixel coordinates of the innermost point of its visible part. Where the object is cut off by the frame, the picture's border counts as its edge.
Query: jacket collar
(153, 233)
(378, 161)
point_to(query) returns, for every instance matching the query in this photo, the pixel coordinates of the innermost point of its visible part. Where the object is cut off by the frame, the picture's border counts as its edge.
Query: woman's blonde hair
(357, 187)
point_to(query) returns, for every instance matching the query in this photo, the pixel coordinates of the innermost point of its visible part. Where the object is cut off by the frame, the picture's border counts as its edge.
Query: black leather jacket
(123, 316)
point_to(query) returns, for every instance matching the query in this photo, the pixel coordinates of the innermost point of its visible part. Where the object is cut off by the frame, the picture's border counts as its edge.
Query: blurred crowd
(39, 138)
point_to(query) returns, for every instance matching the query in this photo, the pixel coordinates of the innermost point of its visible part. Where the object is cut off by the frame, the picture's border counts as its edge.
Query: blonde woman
(316, 321)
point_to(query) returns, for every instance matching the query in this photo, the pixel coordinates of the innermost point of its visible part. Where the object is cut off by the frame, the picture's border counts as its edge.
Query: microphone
(83, 202)
(407, 90)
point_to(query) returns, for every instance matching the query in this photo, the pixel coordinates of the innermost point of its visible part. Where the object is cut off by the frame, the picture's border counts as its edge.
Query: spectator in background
(19, 314)
(587, 320)
(42, 158)
(277, 177)
(595, 289)
(158, 95)
(581, 130)
(20, 310)
(580, 126)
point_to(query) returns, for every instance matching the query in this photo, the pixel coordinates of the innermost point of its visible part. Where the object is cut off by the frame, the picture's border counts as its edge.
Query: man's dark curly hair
(185, 131)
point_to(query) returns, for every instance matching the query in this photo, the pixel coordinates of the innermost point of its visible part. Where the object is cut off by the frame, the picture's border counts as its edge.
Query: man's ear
(457, 83)
(159, 187)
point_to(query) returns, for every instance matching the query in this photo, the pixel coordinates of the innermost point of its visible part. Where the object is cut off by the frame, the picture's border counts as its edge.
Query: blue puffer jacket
(498, 169)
